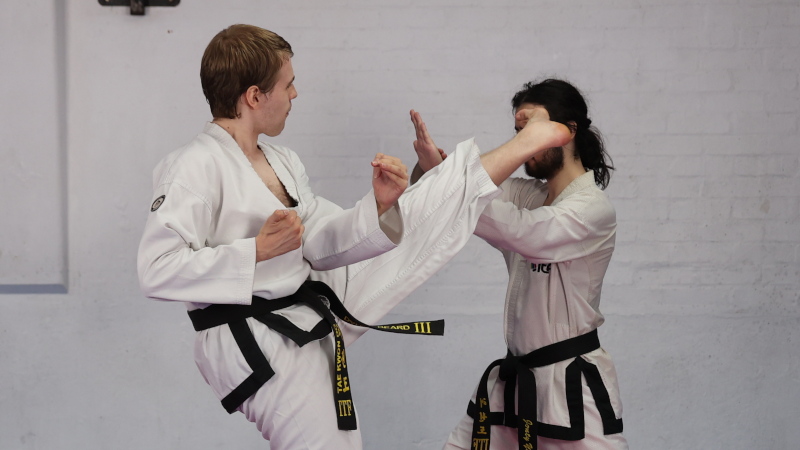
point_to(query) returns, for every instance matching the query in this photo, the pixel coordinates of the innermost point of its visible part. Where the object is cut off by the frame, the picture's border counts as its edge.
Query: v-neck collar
(286, 178)
(576, 185)
(228, 143)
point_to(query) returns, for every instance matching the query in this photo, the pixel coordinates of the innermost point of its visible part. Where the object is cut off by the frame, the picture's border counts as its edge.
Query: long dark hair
(565, 104)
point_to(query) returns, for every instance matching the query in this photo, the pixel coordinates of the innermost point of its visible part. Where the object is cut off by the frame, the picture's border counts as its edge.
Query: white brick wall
(699, 101)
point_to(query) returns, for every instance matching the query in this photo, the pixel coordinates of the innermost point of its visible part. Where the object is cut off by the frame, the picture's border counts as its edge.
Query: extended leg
(439, 215)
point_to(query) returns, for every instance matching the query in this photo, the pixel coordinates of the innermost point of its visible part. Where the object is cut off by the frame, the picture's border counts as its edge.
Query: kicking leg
(440, 213)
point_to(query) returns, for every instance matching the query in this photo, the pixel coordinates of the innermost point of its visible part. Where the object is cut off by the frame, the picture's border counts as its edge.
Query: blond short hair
(237, 58)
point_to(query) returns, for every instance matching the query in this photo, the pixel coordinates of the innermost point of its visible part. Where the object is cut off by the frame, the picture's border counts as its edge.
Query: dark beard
(547, 164)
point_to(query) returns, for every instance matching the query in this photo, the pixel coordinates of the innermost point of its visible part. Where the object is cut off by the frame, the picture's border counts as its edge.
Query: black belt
(311, 293)
(513, 367)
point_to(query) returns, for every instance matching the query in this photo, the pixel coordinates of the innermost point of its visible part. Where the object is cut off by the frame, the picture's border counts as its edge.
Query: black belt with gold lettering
(312, 294)
(518, 367)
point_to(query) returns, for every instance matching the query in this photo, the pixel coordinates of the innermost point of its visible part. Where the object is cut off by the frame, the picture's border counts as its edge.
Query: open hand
(389, 180)
(428, 153)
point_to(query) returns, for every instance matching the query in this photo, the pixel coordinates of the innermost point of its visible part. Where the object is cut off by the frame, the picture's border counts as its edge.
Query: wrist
(262, 252)
(381, 208)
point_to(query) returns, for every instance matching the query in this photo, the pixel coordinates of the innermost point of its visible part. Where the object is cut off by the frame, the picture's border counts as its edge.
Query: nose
(294, 93)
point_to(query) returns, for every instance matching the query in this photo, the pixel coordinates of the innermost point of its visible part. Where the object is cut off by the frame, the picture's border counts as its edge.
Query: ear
(569, 147)
(250, 98)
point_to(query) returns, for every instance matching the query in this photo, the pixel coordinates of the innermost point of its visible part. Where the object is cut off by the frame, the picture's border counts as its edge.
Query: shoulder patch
(157, 203)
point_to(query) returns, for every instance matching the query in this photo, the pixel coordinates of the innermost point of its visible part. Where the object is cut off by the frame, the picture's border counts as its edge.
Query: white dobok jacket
(199, 240)
(557, 257)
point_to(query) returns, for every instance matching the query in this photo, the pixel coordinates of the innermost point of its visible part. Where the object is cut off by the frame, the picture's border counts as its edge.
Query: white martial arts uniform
(198, 247)
(557, 257)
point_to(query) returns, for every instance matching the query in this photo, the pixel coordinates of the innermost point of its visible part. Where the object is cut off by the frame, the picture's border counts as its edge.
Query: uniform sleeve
(512, 189)
(335, 237)
(174, 262)
(577, 226)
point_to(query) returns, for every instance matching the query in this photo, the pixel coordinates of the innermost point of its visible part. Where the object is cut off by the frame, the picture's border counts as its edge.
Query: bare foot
(428, 153)
(540, 132)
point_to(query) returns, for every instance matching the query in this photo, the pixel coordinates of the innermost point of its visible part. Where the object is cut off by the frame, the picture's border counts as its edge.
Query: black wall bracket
(137, 6)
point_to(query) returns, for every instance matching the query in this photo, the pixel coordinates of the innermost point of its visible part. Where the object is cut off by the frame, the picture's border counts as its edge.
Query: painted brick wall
(698, 101)
(699, 104)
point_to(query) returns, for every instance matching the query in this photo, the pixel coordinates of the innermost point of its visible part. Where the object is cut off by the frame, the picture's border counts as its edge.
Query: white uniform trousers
(506, 438)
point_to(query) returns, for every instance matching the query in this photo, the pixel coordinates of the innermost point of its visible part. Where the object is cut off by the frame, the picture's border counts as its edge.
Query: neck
(244, 135)
(572, 169)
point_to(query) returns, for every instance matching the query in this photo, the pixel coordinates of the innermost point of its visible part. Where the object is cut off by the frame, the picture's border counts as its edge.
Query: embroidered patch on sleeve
(157, 203)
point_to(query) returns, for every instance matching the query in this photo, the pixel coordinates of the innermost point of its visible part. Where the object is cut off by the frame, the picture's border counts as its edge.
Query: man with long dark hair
(556, 388)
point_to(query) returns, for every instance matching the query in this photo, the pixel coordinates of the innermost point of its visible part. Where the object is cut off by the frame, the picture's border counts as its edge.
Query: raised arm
(578, 226)
(335, 237)
(538, 135)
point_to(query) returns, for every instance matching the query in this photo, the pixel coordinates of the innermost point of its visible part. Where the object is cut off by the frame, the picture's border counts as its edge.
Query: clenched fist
(281, 233)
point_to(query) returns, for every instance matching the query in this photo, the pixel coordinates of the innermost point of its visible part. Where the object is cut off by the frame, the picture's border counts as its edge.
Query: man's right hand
(281, 233)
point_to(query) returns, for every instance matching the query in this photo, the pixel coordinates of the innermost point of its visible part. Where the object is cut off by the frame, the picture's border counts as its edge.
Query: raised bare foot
(540, 132)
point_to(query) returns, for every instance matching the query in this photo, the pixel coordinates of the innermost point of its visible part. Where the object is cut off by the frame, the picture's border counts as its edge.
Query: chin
(275, 132)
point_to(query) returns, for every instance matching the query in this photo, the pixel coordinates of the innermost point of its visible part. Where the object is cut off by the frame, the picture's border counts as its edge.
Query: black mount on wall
(137, 6)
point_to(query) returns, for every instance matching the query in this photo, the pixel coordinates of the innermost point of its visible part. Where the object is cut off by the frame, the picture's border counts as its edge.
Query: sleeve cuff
(382, 231)
(247, 270)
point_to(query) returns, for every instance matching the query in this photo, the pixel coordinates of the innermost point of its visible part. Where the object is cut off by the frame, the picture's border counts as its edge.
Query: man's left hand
(389, 180)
